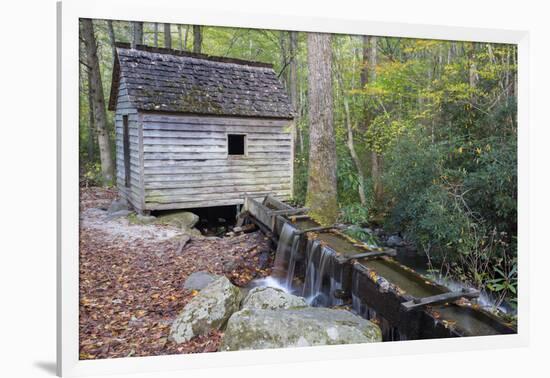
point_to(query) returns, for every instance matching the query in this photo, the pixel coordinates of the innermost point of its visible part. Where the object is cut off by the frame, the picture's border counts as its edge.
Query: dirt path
(131, 280)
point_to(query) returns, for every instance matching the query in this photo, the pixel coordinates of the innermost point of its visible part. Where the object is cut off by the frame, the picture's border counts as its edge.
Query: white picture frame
(69, 12)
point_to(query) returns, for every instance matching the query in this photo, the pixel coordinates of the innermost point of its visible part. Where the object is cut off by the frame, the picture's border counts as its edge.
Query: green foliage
(354, 214)
(91, 174)
(383, 131)
(348, 180)
(456, 200)
(493, 182)
(362, 235)
(504, 281)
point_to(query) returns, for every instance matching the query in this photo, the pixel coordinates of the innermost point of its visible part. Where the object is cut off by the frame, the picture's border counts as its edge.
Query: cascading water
(292, 259)
(285, 257)
(285, 239)
(269, 282)
(318, 262)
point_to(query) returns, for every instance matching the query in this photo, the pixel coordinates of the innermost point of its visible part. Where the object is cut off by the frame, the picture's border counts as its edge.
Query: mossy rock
(184, 220)
(208, 311)
(271, 298)
(141, 219)
(251, 329)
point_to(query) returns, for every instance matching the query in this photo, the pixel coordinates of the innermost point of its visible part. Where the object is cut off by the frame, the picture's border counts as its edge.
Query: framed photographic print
(233, 188)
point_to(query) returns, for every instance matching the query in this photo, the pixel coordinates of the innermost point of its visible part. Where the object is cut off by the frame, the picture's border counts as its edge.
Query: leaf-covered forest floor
(132, 276)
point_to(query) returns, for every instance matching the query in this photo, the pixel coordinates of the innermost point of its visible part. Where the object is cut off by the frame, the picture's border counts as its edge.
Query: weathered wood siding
(133, 193)
(186, 165)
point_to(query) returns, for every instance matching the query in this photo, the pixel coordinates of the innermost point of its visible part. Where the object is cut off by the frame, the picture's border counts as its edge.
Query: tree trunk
(284, 58)
(156, 35)
(185, 37)
(112, 36)
(365, 71)
(515, 72)
(322, 185)
(293, 81)
(137, 35)
(507, 73)
(167, 36)
(197, 39)
(91, 133)
(98, 101)
(350, 143)
(473, 74)
(370, 56)
(180, 38)
(301, 113)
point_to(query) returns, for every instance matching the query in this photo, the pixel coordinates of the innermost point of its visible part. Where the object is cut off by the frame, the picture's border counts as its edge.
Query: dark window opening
(126, 146)
(236, 144)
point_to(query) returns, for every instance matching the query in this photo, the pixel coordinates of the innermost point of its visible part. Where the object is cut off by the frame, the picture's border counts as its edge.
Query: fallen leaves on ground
(131, 288)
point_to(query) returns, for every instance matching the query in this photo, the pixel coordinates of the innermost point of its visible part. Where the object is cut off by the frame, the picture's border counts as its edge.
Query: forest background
(424, 133)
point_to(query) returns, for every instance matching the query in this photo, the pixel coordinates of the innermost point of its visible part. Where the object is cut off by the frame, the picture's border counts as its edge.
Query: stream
(319, 268)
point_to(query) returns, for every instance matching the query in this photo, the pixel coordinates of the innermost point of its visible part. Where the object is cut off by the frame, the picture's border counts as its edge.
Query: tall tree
(349, 128)
(112, 36)
(91, 133)
(98, 101)
(180, 37)
(370, 60)
(322, 185)
(293, 81)
(167, 36)
(473, 74)
(197, 39)
(137, 34)
(156, 34)
(283, 42)
(185, 37)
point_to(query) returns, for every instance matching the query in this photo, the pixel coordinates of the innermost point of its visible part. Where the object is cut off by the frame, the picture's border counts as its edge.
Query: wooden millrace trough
(408, 305)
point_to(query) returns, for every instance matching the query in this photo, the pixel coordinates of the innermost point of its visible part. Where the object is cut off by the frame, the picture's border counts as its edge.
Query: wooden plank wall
(134, 194)
(186, 164)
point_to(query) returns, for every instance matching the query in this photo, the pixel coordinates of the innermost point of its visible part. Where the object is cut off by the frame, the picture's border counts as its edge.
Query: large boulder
(199, 280)
(271, 298)
(296, 327)
(184, 220)
(181, 219)
(209, 310)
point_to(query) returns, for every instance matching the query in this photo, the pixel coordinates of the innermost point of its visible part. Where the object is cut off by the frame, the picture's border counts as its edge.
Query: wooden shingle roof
(174, 81)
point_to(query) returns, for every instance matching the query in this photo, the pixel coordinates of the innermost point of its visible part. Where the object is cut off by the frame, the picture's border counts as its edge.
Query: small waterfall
(286, 256)
(283, 249)
(318, 261)
(269, 282)
(309, 279)
(292, 260)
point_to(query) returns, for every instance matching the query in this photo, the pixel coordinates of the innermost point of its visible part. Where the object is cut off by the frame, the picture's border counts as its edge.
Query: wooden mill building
(194, 130)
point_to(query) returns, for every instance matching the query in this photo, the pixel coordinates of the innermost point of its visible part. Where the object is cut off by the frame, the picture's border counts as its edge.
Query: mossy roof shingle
(170, 81)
